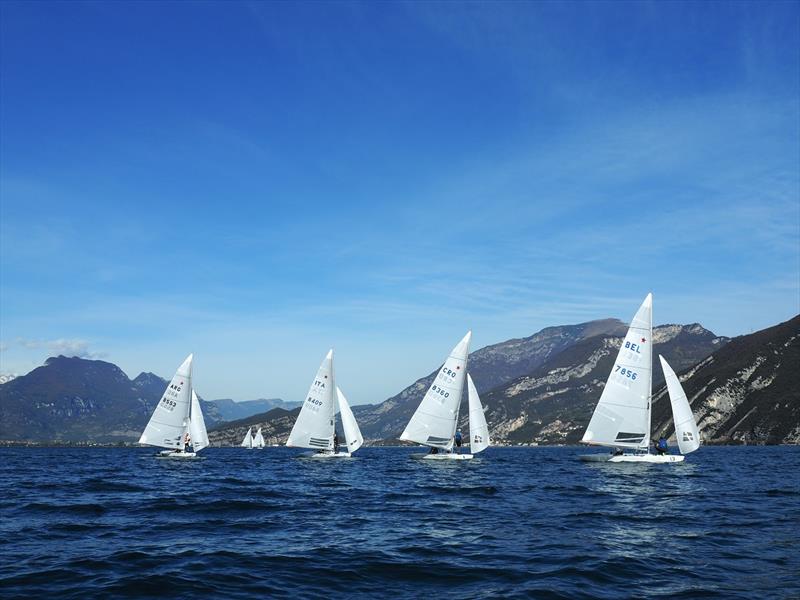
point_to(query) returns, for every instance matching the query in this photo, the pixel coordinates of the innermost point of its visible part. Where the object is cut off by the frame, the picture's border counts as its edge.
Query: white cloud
(62, 346)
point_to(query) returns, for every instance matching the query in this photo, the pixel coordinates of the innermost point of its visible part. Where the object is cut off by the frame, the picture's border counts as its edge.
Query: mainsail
(622, 416)
(197, 426)
(314, 425)
(170, 419)
(478, 429)
(247, 442)
(352, 434)
(434, 422)
(258, 442)
(685, 427)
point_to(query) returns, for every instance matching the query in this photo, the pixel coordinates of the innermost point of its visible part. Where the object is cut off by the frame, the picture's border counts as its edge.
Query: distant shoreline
(56, 444)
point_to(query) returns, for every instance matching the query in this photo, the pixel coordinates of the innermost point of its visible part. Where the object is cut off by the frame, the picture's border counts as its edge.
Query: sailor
(661, 446)
(458, 441)
(335, 442)
(433, 450)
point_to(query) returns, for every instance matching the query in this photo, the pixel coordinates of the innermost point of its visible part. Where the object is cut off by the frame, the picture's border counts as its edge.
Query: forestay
(314, 425)
(478, 429)
(685, 427)
(622, 416)
(352, 434)
(434, 422)
(197, 425)
(170, 418)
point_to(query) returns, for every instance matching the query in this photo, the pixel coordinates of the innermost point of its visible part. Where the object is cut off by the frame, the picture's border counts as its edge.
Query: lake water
(517, 522)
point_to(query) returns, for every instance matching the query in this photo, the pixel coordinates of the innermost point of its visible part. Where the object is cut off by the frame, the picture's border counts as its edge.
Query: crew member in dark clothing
(458, 441)
(661, 445)
(335, 443)
(433, 450)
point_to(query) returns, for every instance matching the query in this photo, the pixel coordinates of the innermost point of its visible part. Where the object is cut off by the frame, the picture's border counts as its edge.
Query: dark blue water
(533, 522)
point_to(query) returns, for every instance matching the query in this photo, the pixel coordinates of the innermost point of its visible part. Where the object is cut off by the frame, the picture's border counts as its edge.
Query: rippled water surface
(529, 522)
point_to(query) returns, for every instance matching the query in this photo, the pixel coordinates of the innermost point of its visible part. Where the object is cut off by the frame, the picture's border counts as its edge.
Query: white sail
(197, 426)
(352, 434)
(622, 416)
(314, 425)
(170, 419)
(685, 427)
(478, 429)
(258, 442)
(247, 442)
(434, 422)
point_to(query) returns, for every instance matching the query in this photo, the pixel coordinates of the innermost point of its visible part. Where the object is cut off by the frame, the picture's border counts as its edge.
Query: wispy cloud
(61, 346)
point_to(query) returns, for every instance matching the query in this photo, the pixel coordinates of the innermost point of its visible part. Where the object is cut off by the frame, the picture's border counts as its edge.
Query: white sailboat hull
(633, 458)
(327, 454)
(444, 456)
(171, 455)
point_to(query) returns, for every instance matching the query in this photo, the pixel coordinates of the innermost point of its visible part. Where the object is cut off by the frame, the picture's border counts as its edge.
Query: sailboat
(316, 424)
(436, 418)
(258, 441)
(247, 442)
(177, 421)
(622, 418)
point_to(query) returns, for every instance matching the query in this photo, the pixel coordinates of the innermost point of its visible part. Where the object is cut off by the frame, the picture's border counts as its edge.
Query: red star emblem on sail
(643, 340)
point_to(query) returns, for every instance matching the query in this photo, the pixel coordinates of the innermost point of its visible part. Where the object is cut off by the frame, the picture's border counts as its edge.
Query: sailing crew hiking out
(315, 427)
(434, 424)
(622, 417)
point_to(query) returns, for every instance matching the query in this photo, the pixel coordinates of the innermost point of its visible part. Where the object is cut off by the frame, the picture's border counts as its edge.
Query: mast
(334, 402)
(649, 387)
(186, 435)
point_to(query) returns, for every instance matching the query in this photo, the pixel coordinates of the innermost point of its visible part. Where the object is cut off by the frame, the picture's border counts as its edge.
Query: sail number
(437, 390)
(168, 404)
(311, 400)
(626, 372)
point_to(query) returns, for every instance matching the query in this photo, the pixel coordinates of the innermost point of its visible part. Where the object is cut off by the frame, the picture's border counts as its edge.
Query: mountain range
(75, 399)
(747, 391)
(529, 386)
(542, 388)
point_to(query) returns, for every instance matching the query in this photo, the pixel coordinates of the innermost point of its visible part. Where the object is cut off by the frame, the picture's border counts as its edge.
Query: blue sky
(258, 182)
